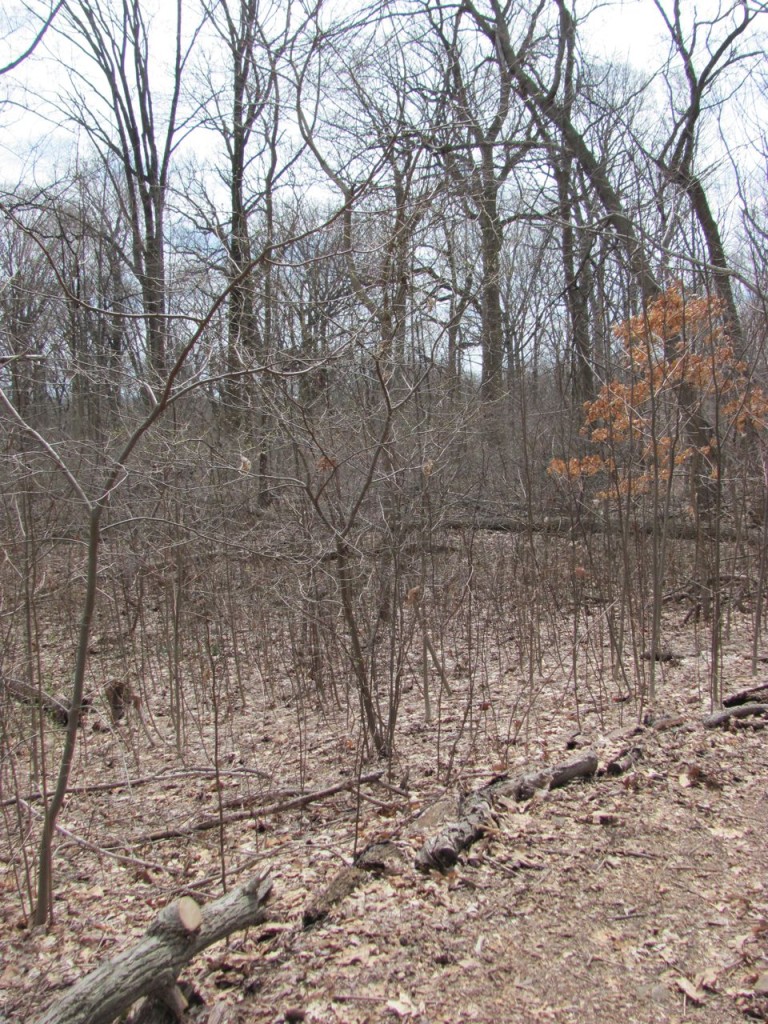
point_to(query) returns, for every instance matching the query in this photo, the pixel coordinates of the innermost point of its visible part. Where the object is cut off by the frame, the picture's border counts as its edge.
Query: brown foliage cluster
(677, 360)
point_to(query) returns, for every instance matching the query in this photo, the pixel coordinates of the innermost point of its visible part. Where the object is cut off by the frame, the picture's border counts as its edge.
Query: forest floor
(639, 898)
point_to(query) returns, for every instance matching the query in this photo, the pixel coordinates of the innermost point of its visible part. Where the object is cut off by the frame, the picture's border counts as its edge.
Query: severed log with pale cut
(150, 968)
(724, 718)
(477, 809)
(624, 761)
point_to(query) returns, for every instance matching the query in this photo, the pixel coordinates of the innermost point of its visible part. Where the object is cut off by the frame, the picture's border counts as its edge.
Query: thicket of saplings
(318, 562)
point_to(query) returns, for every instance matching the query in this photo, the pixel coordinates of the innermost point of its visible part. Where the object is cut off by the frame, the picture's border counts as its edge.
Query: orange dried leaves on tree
(677, 343)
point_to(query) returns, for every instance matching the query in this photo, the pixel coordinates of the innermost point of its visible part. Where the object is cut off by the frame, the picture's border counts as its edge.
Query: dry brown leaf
(402, 1006)
(358, 955)
(604, 818)
(707, 979)
(739, 942)
(691, 992)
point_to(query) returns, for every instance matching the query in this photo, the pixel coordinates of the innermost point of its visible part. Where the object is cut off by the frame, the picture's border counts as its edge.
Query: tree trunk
(493, 331)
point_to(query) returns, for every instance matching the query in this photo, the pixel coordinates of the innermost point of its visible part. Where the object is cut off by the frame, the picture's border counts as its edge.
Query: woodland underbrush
(226, 683)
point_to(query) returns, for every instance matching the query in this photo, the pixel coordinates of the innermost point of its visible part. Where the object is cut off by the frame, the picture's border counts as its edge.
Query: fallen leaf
(707, 979)
(9, 974)
(520, 859)
(402, 1006)
(358, 955)
(695, 995)
(604, 818)
(739, 942)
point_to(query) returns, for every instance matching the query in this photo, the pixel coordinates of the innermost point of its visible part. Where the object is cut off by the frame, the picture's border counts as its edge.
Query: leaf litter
(636, 897)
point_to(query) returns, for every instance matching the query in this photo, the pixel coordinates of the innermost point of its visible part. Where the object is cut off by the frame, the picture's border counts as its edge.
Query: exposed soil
(640, 898)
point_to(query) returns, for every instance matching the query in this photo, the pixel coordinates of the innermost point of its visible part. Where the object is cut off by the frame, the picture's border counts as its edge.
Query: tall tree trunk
(576, 290)
(492, 325)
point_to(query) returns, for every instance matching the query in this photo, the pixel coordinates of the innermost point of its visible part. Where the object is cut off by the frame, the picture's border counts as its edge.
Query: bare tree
(722, 54)
(548, 106)
(26, 307)
(45, 22)
(475, 131)
(247, 115)
(118, 107)
(380, 171)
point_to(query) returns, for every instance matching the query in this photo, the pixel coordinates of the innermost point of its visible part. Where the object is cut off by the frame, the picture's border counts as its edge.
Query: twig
(392, 789)
(144, 780)
(384, 804)
(278, 807)
(102, 852)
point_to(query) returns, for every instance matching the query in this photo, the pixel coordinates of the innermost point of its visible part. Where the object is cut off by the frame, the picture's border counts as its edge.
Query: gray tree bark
(152, 965)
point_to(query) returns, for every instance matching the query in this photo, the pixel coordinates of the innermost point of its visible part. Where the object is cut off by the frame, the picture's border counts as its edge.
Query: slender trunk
(44, 906)
(154, 296)
(717, 256)
(367, 705)
(493, 329)
(576, 294)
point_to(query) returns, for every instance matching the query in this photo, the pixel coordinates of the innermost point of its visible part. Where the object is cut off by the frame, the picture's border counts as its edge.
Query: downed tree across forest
(476, 813)
(563, 523)
(724, 718)
(150, 968)
(477, 809)
(25, 693)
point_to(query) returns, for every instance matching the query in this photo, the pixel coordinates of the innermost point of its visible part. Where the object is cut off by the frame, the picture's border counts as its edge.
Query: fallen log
(150, 968)
(748, 696)
(565, 525)
(722, 718)
(25, 693)
(624, 761)
(377, 859)
(477, 809)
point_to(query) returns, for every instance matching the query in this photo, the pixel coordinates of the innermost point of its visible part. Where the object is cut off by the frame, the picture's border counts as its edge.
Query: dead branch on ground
(477, 809)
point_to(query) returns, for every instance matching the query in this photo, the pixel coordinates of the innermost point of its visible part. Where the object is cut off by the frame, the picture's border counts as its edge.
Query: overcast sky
(628, 31)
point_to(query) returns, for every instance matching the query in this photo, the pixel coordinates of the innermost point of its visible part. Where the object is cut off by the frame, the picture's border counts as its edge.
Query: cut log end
(437, 856)
(151, 966)
(190, 915)
(624, 761)
(184, 917)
